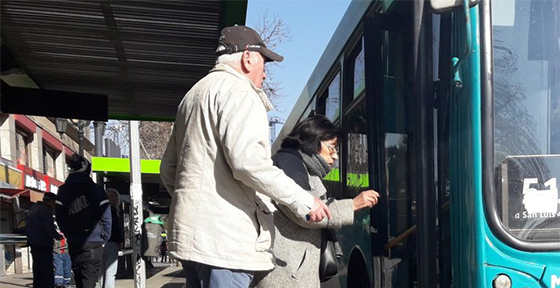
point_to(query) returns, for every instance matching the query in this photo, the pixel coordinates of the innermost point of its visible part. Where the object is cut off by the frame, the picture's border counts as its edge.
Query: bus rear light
(502, 281)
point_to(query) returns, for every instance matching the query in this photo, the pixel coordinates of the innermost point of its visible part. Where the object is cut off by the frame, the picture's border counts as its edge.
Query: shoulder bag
(328, 266)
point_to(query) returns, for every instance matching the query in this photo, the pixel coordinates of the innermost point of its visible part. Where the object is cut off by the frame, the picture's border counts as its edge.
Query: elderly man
(217, 158)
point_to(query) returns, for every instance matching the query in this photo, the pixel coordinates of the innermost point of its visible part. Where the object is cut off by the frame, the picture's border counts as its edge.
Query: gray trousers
(205, 276)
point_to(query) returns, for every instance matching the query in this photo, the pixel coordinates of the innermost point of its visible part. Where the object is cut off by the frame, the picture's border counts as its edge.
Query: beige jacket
(217, 157)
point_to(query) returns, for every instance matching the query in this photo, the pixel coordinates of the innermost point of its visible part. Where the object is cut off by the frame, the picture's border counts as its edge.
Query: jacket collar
(80, 177)
(228, 69)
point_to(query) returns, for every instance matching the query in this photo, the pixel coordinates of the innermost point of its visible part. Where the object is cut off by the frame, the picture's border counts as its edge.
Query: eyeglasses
(332, 149)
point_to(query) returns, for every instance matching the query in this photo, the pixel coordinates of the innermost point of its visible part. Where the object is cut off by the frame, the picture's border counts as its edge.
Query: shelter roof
(141, 55)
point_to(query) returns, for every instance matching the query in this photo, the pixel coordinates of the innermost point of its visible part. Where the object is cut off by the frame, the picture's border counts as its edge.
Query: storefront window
(49, 160)
(22, 148)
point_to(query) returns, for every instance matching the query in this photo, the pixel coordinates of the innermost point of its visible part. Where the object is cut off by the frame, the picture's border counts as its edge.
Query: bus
(451, 110)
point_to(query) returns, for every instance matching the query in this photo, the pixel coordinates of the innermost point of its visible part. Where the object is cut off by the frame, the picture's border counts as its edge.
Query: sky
(312, 24)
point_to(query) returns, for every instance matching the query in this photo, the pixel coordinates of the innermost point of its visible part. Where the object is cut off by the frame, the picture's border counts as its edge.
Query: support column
(99, 131)
(137, 211)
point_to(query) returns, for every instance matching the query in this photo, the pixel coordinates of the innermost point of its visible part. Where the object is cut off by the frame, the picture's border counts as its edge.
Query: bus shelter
(100, 60)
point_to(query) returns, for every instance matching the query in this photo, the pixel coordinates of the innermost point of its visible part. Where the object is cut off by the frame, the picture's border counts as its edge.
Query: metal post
(423, 145)
(99, 127)
(80, 140)
(137, 211)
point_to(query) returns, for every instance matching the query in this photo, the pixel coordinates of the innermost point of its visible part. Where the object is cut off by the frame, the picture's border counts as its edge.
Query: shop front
(20, 188)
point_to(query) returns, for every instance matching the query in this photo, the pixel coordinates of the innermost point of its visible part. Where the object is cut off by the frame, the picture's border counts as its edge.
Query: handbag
(328, 266)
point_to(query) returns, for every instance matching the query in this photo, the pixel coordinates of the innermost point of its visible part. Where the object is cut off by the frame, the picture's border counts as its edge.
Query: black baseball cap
(240, 38)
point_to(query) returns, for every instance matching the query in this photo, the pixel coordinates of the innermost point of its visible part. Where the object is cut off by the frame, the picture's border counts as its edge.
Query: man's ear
(246, 61)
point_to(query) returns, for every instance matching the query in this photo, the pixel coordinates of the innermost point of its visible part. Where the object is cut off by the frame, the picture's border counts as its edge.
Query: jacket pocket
(300, 269)
(266, 228)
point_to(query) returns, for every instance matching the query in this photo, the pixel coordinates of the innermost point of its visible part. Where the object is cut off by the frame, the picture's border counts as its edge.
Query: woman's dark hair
(308, 134)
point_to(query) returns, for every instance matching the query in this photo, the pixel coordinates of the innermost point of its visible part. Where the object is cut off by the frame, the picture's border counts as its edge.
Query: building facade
(33, 160)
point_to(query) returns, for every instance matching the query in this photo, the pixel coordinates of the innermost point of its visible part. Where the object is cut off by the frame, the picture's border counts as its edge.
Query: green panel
(106, 164)
(334, 175)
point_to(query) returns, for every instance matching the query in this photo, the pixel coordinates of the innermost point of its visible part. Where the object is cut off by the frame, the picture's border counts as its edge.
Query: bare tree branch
(274, 33)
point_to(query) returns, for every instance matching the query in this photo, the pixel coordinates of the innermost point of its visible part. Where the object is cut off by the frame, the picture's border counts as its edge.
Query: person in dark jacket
(41, 233)
(111, 249)
(84, 216)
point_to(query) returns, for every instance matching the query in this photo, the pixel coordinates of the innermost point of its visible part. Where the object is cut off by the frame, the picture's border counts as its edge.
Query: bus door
(389, 61)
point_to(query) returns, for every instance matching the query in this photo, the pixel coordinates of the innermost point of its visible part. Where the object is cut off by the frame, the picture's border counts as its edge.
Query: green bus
(451, 110)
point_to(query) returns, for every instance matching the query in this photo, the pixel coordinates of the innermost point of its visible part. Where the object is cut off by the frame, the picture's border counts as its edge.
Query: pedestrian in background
(307, 155)
(62, 263)
(218, 156)
(111, 249)
(41, 233)
(84, 216)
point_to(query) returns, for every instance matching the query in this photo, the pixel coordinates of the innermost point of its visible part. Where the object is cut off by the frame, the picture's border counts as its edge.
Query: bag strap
(330, 235)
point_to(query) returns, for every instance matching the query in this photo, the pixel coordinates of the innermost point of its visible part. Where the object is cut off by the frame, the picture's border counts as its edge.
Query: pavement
(164, 276)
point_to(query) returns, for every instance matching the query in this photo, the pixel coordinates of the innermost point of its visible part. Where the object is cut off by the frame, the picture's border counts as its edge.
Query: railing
(7, 239)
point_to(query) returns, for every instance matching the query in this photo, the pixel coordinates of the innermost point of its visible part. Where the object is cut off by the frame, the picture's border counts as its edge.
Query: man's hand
(319, 211)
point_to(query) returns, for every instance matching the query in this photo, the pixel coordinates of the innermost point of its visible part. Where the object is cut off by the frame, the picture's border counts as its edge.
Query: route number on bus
(540, 201)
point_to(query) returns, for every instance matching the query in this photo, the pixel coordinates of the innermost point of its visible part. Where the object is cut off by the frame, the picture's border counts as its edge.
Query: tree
(154, 136)
(117, 131)
(274, 33)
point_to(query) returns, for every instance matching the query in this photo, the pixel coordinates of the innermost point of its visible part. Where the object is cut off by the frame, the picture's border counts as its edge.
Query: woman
(307, 155)
(111, 249)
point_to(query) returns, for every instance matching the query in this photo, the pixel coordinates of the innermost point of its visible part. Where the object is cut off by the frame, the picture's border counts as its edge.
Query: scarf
(316, 165)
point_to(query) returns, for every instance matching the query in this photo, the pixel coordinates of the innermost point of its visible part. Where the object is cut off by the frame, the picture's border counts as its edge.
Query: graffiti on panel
(137, 243)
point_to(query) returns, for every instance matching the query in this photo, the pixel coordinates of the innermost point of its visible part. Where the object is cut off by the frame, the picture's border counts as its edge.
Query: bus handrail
(409, 231)
(400, 238)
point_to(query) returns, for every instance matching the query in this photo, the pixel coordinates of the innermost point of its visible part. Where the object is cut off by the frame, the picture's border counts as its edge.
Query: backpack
(83, 212)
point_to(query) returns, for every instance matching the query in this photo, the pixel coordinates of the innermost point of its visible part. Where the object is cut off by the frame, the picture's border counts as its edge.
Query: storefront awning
(10, 177)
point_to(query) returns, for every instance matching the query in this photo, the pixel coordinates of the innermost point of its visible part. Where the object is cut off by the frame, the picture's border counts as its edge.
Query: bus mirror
(440, 6)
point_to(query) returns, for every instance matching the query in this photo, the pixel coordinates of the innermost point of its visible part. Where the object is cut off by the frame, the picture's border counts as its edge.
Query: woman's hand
(366, 199)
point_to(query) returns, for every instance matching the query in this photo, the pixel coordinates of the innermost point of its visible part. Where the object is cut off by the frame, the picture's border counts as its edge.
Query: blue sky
(312, 25)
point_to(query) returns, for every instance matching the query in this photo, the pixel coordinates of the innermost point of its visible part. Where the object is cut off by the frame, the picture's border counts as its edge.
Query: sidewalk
(165, 277)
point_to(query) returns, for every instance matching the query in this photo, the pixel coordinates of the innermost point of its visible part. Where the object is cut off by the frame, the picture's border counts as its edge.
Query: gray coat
(297, 243)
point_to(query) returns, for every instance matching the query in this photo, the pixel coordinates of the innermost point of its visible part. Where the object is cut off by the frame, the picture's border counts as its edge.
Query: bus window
(357, 172)
(527, 117)
(359, 71)
(355, 68)
(332, 105)
(309, 111)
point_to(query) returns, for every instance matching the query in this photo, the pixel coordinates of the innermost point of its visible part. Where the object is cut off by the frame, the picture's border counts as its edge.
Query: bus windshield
(526, 42)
